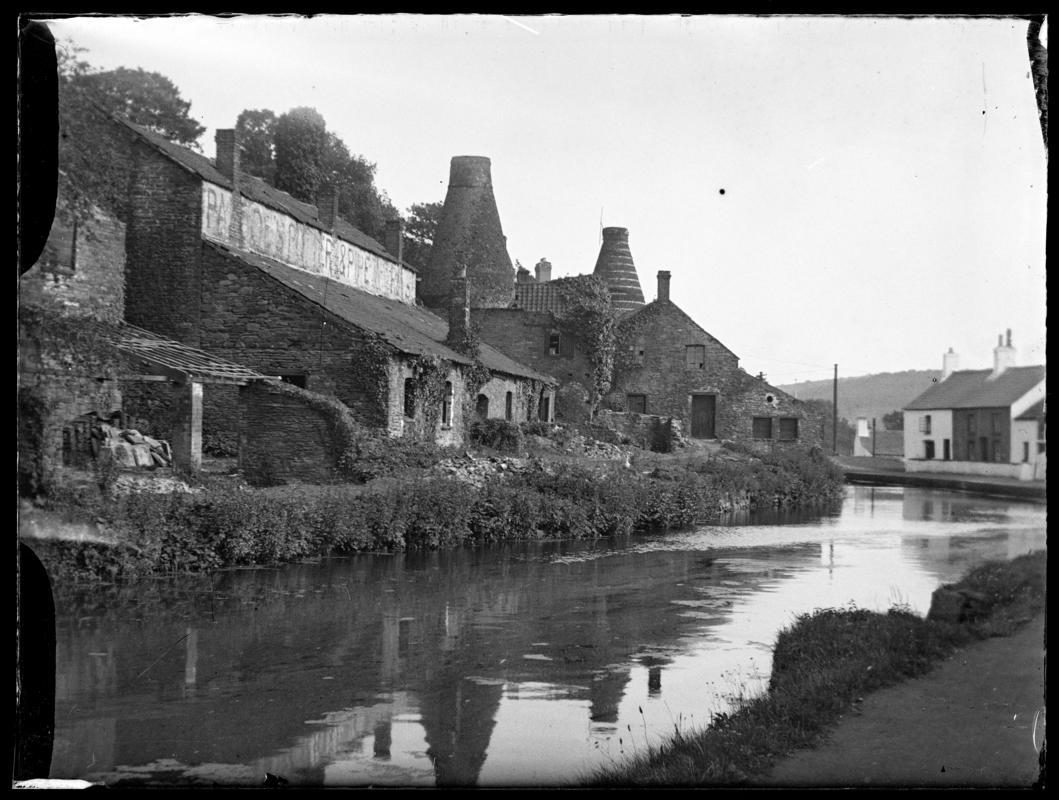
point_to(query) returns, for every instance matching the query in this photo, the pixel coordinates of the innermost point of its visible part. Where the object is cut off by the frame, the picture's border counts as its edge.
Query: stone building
(674, 368)
(221, 260)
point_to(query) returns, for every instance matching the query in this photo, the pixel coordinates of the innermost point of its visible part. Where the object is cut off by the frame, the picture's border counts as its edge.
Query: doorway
(703, 416)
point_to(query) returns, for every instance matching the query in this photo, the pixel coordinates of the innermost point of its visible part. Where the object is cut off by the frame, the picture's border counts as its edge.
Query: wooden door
(703, 412)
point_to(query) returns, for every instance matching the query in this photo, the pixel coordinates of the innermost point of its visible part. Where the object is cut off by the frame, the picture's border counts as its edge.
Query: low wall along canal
(507, 665)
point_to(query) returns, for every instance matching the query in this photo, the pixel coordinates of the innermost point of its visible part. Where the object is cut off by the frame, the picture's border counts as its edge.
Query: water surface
(507, 665)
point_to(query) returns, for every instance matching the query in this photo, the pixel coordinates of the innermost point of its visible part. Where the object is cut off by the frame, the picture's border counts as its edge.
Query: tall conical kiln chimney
(469, 235)
(616, 269)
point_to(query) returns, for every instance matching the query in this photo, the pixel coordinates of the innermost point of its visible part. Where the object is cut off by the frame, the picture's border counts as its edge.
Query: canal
(507, 665)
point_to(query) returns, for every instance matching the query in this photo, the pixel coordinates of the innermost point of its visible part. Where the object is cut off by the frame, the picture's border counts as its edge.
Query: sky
(860, 191)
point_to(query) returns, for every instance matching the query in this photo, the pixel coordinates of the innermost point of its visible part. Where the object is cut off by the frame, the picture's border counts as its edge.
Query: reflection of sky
(560, 705)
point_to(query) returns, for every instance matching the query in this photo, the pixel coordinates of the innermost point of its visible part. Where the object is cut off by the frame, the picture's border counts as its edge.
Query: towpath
(970, 722)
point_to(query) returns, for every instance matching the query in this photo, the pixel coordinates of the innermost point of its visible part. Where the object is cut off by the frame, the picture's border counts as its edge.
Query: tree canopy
(421, 226)
(298, 154)
(90, 172)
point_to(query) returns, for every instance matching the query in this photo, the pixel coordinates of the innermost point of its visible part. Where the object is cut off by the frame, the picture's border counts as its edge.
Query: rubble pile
(476, 471)
(130, 448)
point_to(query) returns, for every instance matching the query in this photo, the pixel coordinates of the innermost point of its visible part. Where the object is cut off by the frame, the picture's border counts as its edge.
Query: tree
(257, 133)
(421, 226)
(300, 142)
(145, 98)
(894, 421)
(847, 434)
(94, 167)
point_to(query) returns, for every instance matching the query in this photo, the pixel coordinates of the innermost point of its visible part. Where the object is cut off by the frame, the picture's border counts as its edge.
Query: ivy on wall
(369, 361)
(588, 313)
(430, 372)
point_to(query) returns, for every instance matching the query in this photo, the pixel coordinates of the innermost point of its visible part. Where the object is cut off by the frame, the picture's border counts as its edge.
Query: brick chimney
(543, 270)
(227, 160)
(616, 269)
(950, 362)
(459, 307)
(470, 235)
(395, 237)
(522, 275)
(663, 284)
(1003, 355)
(327, 205)
(227, 163)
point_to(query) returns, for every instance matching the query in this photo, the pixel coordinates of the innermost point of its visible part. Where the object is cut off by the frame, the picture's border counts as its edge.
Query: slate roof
(409, 329)
(1036, 411)
(974, 389)
(656, 304)
(259, 191)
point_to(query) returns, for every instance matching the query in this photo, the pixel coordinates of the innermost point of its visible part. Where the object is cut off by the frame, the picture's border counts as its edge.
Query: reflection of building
(976, 418)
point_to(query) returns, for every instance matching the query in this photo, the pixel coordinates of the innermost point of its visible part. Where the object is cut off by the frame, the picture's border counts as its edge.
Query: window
(294, 380)
(788, 429)
(762, 427)
(509, 406)
(554, 341)
(545, 408)
(972, 424)
(924, 424)
(637, 403)
(1025, 451)
(481, 406)
(446, 406)
(695, 356)
(638, 349)
(928, 449)
(996, 422)
(409, 397)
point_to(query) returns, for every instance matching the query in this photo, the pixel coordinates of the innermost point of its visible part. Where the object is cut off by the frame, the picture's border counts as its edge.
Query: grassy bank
(821, 665)
(227, 525)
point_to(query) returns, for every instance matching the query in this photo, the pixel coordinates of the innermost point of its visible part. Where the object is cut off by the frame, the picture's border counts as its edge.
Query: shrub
(498, 434)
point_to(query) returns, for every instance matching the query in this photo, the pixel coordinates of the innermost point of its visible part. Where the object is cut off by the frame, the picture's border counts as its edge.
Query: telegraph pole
(834, 414)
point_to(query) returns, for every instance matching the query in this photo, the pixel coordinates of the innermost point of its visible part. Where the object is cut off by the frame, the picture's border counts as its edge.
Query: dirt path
(967, 723)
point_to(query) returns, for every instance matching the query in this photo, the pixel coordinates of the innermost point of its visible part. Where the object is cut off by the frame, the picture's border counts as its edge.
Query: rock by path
(967, 723)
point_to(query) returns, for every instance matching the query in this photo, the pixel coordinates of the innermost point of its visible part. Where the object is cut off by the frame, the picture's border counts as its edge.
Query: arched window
(446, 406)
(481, 406)
(509, 407)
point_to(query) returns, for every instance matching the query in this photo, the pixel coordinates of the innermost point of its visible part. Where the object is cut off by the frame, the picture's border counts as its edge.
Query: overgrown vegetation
(821, 665)
(226, 524)
(588, 313)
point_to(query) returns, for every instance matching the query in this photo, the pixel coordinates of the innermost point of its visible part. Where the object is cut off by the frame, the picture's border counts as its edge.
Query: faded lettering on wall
(277, 236)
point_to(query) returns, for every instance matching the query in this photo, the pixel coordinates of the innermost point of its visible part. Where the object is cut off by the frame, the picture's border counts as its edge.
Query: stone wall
(282, 437)
(648, 431)
(163, 247)
(81, 269)
(669, 383)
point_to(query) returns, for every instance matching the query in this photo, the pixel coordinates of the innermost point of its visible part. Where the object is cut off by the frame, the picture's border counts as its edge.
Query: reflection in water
(508, 665)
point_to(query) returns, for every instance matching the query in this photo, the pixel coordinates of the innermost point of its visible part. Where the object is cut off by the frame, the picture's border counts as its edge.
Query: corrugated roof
(259, 191)
(1036, 411)
(197, 365)
(975, 389)
(409, 329)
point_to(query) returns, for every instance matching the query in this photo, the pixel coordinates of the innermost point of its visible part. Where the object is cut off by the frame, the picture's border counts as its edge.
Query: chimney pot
(395, 238)
(1009, 337)
(663, 284)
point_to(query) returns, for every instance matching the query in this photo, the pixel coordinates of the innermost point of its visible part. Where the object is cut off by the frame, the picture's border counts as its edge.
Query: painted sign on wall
(274, 234)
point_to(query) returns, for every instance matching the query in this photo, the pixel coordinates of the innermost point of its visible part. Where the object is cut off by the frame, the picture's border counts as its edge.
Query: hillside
(868, 395)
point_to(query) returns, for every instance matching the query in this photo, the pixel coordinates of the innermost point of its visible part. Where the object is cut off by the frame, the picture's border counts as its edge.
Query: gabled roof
(259, 191)
(975, 389)
(658, 305)
(1036, 411)
(409, 329)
